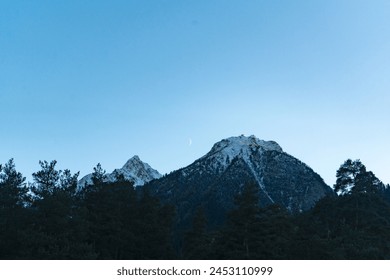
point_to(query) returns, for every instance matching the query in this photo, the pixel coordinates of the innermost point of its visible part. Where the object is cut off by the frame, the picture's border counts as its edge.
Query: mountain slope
(213, 180)
(134, 170)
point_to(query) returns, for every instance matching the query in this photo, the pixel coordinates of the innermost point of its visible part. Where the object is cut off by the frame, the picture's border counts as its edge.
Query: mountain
(134, 170)
(212, 181)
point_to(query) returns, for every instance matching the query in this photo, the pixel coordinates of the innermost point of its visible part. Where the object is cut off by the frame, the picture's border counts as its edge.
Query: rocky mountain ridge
(212, 181)
(134, 170)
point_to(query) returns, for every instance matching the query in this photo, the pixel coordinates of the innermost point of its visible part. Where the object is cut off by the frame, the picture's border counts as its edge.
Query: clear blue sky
(84, 82)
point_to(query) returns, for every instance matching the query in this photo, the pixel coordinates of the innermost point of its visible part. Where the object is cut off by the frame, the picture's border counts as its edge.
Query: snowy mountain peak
(134, 161)
(234, 146)
(134, 170)
(242, 142)
(137, 171)
(223, 152)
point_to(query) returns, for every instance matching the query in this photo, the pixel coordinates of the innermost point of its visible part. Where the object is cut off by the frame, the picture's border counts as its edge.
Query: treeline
(52, 219)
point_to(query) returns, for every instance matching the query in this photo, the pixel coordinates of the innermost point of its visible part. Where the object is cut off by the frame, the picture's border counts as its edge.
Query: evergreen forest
(51, 218)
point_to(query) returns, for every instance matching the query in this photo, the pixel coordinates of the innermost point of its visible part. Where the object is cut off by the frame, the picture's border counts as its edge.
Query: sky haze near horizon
(84, 82)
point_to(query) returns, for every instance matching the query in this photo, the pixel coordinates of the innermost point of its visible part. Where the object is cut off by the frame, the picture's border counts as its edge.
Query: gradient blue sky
(84, 82)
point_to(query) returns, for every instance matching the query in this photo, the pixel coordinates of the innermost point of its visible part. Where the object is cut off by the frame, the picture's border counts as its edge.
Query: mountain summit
(134, 170)
(212, 181)
(225, 151)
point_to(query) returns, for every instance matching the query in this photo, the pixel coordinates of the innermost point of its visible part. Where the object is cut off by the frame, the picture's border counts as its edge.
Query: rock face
(134, 170)
(213, 181)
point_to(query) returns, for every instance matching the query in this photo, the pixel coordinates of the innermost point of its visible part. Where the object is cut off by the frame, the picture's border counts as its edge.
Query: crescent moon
(189, 142)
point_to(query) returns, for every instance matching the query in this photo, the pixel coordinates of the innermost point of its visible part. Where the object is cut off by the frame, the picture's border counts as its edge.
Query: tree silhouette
(352, 177)
(197, 241)
(13, 200)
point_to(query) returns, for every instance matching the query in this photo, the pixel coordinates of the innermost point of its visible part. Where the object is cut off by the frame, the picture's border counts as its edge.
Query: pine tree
(154, 227)
(13, 189)
(352, 177)
(346, 176)
(197, 240)
(274, 233)
(55, 222)
(367, 182)
(46, 179)
(13, 201)
(98, 175)
(239, 239)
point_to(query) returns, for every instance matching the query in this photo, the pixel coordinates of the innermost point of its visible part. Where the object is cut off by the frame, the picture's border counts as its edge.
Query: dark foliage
(50, 219)
(102, 221)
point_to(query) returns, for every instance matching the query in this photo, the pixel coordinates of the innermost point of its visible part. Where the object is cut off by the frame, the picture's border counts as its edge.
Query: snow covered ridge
(233, 146)
(224, 151)
(134, 170)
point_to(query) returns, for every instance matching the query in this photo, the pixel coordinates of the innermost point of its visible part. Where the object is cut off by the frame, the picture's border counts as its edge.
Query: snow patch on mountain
(134, 170)
(223, 152)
